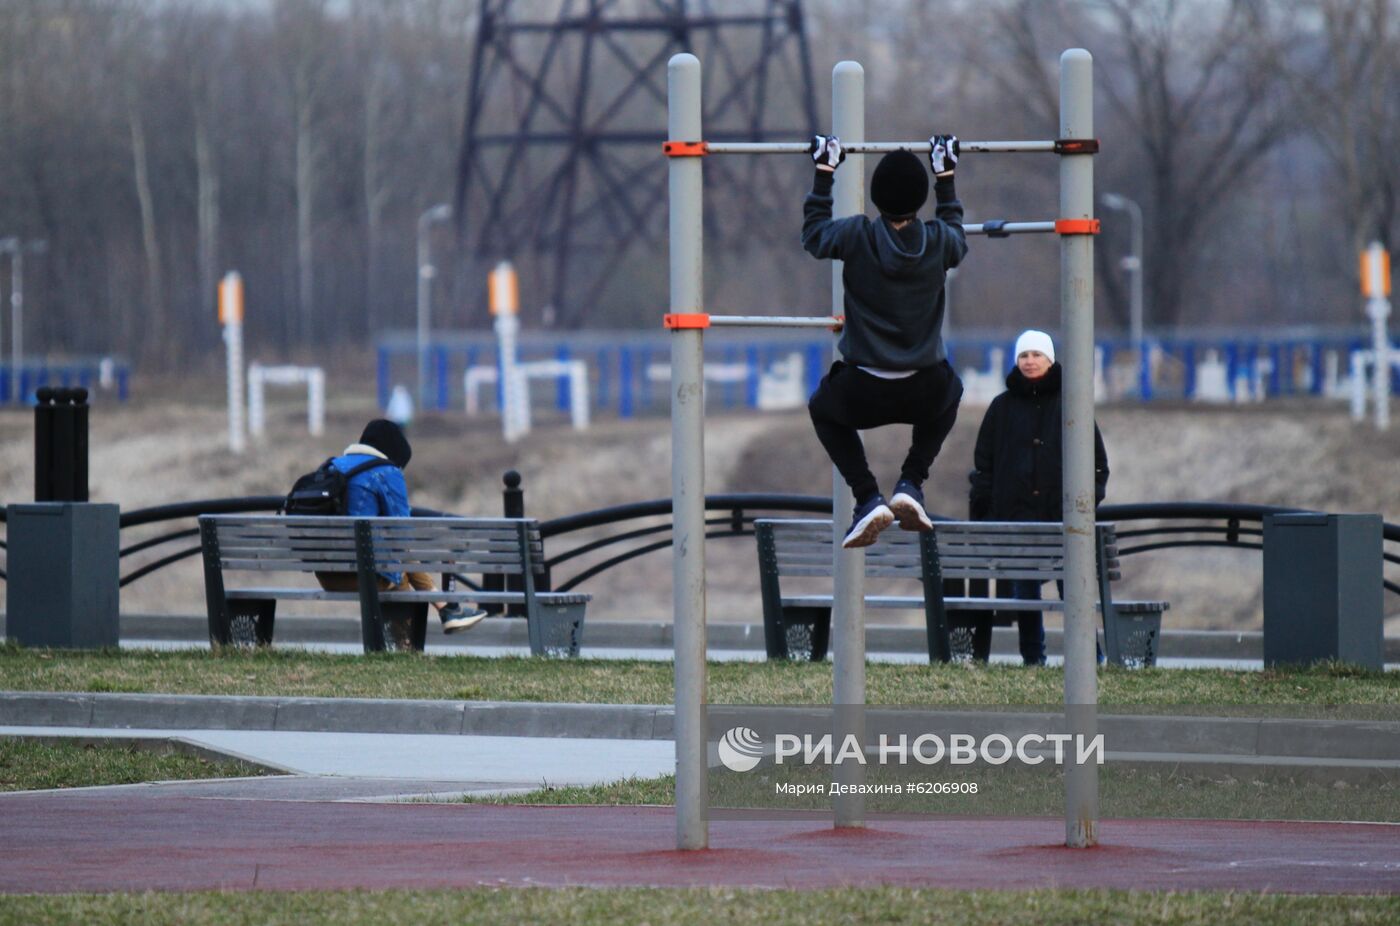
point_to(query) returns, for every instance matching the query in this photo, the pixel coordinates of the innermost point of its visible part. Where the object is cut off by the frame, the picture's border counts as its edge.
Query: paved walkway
(451, 764)
(379, 811)
(140, 840)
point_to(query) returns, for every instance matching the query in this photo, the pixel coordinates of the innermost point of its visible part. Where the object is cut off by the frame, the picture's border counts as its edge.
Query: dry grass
(509, 907)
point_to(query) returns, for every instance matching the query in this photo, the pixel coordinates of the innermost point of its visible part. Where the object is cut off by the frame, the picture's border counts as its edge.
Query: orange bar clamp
(686, 320)
(1076, 226)
(685, 149)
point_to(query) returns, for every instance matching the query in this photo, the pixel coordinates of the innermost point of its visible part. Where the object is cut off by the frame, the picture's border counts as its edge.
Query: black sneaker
(455, 617)
(908, 506)
(869, 519)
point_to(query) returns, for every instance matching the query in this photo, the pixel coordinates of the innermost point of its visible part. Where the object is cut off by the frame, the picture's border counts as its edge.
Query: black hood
(1049, 384)
(388, 438)
(899, 253)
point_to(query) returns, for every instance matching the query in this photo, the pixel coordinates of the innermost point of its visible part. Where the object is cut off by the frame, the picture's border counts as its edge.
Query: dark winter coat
(894, 299)
(1018, 470)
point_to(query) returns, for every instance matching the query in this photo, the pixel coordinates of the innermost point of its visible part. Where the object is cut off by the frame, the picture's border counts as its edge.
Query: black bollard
(43, 445)
(61, 445)
(63, 586)
(80, 444)
(512, 506)
(513, 498)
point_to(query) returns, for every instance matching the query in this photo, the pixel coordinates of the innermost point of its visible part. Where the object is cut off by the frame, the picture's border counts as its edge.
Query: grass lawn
(704, 905)
(294, 673)
(29, 765)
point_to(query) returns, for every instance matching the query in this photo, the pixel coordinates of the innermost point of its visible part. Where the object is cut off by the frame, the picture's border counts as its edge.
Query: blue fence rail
(626, 369)
(19, 386)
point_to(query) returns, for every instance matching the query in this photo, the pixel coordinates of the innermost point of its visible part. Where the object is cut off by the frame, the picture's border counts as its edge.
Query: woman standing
(1017, 469)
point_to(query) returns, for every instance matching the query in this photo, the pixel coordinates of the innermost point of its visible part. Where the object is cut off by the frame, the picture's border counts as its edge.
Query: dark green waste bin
(1322, 589)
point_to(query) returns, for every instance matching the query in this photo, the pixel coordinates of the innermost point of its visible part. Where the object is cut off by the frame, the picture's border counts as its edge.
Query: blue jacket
(377, 492)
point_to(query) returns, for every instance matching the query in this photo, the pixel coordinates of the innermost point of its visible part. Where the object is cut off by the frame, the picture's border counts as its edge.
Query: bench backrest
(279, 544)
(960, 550)
(310, 544)
(481, 545)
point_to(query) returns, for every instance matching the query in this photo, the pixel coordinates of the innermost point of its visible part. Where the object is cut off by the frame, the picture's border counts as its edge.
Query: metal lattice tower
(560, 169)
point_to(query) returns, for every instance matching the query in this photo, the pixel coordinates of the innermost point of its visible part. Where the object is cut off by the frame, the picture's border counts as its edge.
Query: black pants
(850, 400)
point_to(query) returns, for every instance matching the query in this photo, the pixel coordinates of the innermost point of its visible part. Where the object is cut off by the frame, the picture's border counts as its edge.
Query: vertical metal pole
(1376, 286)
(688, 457)
(231, 316)
(17, 310)
(1077, 309)
(848, 604)
(426, 272)
(1135, 213)
(425, 275)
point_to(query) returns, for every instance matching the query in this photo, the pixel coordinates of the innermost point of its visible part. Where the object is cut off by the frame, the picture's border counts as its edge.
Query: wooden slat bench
(365, 547)
(953, 550)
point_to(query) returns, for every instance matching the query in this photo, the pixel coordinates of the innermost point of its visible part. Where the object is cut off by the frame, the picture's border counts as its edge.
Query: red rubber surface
(75, 842)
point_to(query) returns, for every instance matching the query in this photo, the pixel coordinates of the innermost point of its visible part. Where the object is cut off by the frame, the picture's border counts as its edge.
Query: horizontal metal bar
(773, 321)
(1010, 228)
(878, 147)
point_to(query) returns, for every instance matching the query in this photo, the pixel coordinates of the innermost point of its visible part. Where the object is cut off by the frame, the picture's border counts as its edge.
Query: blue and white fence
(17, 387)
(628, 369)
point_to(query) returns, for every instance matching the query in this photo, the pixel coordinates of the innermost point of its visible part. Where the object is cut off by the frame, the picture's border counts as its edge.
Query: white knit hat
(1031, 339)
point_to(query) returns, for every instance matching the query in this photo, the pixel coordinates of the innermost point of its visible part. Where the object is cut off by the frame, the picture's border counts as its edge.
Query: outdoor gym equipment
(687, 322)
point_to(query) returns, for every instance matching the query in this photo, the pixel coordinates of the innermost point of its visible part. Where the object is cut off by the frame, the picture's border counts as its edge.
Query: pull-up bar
(687, 322)
(682, 320)
(690, 149)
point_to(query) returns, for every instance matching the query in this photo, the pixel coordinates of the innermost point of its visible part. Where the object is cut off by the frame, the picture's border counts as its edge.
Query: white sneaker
(908, 506)
(455, 617)
(869, 519)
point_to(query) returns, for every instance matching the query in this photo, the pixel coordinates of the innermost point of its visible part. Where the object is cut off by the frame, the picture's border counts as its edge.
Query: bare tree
(303, 29)
(1195, 83)
(1345, 79)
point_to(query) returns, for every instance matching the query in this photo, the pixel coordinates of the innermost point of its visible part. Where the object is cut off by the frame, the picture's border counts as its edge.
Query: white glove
(826, 151)
(944, 156)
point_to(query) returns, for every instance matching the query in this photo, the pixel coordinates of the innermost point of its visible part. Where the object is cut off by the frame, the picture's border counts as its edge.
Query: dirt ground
(169, 445)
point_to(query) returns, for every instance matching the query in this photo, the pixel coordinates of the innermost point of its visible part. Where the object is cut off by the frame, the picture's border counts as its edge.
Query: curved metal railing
(1235, 526)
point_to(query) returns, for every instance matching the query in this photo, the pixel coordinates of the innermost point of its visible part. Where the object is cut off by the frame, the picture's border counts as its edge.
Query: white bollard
(316, 402)
(1358, 385)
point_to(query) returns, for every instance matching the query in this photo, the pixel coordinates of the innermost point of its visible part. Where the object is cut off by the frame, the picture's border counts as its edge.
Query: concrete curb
(1368, 740)
(335, 715)
(1176, 644)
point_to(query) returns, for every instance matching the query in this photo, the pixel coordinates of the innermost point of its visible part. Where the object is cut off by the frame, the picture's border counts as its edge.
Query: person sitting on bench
(381, 491)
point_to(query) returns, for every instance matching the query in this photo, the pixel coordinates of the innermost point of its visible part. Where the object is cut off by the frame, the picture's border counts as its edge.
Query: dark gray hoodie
(893, 280)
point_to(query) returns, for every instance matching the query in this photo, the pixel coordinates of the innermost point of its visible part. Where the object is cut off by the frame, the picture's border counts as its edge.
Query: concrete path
(467, 763)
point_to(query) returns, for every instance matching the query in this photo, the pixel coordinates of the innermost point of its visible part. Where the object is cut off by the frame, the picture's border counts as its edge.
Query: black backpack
(322, 492)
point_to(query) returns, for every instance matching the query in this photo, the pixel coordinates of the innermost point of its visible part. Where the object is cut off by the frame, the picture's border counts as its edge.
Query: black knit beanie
(900, 184)
(388, 438)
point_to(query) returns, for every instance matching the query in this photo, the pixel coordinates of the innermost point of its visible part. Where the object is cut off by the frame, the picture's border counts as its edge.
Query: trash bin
(62, 580)
(1322, 589)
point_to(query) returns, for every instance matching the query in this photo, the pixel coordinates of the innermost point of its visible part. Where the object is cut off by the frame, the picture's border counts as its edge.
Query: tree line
(156, 145)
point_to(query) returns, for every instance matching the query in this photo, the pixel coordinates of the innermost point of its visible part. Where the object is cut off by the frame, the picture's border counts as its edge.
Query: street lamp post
(17, 249)
(1133, 264)
(426, 271)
